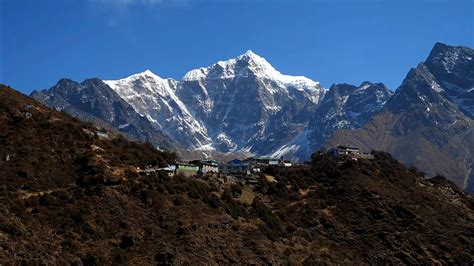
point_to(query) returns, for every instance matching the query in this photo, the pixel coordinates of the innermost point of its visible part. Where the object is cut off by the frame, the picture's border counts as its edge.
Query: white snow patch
(206, 147)
(435, 86)
(196, 74)
(223, 138)
(366, 86)
(299, 142)
(283, 150)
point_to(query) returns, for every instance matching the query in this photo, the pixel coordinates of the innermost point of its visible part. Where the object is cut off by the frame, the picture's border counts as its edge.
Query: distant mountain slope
(70, 197)
(92, 100)
(453, 66)
(428, 122)
(344, 106)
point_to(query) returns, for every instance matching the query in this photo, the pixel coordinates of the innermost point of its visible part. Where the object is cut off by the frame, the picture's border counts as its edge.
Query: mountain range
(245, 105)
(241, 104)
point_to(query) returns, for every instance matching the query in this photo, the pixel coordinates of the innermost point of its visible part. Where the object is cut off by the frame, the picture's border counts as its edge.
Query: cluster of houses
(248, 167)
(234, 167)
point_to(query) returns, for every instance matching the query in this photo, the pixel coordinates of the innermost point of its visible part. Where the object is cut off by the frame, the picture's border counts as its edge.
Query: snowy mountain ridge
(199, 110)
(155, 98)
(258, 65)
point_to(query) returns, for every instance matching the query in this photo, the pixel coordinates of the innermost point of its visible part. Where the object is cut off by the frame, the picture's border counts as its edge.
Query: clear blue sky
(331, 41)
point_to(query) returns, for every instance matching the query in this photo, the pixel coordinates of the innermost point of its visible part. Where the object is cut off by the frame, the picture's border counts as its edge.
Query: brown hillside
(65, 201)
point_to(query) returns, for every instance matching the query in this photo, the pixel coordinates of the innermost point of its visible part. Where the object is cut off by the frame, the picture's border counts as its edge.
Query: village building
(346, 151)
(235, 166)
(342, 150)
(186, 169)
(206, 166)
(263, 160)
(168, 170)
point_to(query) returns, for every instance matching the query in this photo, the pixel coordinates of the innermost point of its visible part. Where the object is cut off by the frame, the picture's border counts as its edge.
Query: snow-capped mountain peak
(253, 60)
(249, 64)
(250, 53)
(148, 73)
(196, 74)
(144, 75)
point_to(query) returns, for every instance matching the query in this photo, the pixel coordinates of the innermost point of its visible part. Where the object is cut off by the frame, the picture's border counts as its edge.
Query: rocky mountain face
(70, 197)
(344, 106)
(94, 101)
(454, 68)
(238, 104)
(155, 98)
(428, 122)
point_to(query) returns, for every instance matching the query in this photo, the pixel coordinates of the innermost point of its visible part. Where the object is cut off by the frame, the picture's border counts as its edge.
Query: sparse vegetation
(75, 205)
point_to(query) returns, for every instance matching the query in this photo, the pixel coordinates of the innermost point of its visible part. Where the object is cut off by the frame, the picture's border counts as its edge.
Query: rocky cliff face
(428, 121)
(344, 106)
(246, 104)
(453, 67)
(94, 101)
